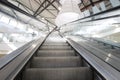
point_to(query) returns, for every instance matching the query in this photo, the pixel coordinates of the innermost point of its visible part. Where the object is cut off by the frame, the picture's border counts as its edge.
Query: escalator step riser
(64, 44)
(56, 62)
(56, 51)
(82, 73)
(54, 48)
(55, 54)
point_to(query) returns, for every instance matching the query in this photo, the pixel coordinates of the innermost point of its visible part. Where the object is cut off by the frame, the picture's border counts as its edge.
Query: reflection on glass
(101, 33)
(107, 29)
(14, 34)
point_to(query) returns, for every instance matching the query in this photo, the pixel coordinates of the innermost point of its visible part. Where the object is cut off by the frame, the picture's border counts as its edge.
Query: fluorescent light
(59, 8)
(43, 18)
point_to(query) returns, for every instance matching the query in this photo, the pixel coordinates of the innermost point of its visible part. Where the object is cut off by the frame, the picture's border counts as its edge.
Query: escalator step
(55, 43)
(81, 73)
(56, 62)
(55, 53)
(55, 47)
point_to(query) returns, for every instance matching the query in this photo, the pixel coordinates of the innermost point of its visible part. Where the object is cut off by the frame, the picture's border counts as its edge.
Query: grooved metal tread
(56, 62)
(54, 43)
(55, 53)
(81, 73)
(55, 47)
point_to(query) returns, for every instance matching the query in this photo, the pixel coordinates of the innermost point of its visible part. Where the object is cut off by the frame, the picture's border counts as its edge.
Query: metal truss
(27, 13)
(92, 3)
(44, 6)
(46, 9)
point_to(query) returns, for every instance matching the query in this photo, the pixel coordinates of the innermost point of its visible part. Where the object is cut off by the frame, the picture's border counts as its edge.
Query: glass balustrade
(14, 34)
(105, 26)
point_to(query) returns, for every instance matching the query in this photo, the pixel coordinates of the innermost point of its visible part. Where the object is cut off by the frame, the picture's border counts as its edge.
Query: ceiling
(36, 11)
(45, 9)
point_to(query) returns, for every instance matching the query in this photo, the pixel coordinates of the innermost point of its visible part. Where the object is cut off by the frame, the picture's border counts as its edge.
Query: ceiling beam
(33, 11)
(58, 2)
(46, 18)
(40, 1)
(50, 22)
(92, 3)
(25, 7)
(30, 4)
(53, 5)
(51, 13)
(39, 7)
(82, 4)
(89, 5)
(10, 5)
(82, 1)
(49, 17)
(45, 7)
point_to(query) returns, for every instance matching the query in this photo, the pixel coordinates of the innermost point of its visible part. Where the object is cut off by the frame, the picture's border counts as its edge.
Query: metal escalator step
(56, 62)
(55, 47)
(55, 43)
(81, 73)
(49, 41)
(55, 53)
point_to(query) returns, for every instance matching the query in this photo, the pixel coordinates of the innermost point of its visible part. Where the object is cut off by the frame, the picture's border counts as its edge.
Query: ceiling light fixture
(43, 18)
(59, 8)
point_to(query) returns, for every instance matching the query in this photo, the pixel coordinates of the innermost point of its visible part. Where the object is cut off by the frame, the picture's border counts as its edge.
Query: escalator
(55, 58)
(57, 61)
